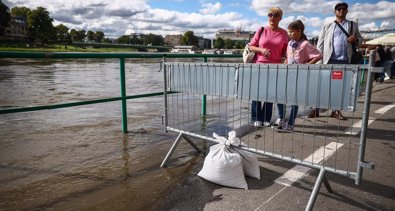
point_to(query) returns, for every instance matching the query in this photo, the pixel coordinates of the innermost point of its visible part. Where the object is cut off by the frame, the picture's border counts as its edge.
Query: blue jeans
(292, 116)
(259, 113)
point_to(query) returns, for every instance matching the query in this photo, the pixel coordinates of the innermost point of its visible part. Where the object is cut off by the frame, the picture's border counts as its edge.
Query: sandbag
(223, 167)
(250, 164)
(249, 160)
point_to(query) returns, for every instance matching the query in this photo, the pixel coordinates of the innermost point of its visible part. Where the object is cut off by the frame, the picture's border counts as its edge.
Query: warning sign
(337, 75)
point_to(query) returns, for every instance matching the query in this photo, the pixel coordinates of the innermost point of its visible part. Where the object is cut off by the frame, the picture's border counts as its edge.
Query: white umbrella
(388, 39)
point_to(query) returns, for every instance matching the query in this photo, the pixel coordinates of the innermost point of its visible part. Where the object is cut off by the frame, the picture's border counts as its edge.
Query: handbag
(356, 55)
(248, 56)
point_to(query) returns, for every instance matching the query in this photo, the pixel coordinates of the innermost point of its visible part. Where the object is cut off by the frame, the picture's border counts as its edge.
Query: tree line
(40, 29)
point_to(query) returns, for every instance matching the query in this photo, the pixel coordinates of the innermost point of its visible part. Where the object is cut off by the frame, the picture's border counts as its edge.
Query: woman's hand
(265, 52)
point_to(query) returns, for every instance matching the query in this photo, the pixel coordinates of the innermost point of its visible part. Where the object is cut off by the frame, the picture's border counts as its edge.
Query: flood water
(77, 158)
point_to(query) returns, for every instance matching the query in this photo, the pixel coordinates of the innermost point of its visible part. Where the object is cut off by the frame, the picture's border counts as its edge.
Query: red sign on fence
(337, 75)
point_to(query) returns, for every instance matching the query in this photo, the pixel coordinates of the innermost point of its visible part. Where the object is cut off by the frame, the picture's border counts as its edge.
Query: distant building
(234, 34)
(204, 43)
(17, 27)
(173, 39)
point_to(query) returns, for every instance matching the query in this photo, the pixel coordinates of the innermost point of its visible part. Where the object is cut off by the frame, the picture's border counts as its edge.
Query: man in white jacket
(335, 45)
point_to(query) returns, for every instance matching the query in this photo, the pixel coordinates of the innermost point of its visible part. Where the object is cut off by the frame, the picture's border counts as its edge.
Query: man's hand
(352, 39)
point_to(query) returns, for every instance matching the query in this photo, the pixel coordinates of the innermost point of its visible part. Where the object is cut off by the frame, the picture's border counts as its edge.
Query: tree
(5, 17)
(20, 12)
(219, 43)
(99, 35)
(62, 34)
(152, 39)
(40, 25)
(189, 39)
(228, 43)
(123, 39)
(77, 35)
(239, 44)
(90, 35)
(107, 40)
(135, 41)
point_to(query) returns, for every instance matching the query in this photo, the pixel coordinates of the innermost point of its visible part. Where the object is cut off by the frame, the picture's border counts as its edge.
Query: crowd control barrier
(324, 143)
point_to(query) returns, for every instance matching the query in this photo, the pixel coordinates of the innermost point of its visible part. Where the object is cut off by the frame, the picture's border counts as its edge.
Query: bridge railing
(121, 56)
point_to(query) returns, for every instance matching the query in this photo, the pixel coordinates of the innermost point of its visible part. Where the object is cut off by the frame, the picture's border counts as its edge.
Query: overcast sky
(204, 17)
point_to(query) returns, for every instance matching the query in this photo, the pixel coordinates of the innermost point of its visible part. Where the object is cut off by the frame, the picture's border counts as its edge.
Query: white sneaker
(258, 124)
(266, 124)
(278, 122)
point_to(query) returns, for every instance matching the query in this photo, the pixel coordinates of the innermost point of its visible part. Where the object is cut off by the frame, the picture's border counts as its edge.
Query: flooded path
(77, 158)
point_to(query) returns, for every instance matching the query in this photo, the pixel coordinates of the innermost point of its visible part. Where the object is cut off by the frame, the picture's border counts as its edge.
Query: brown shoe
(314, 113)
(338, 115)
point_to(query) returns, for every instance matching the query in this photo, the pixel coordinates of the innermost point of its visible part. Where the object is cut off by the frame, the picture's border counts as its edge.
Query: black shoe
(338, 115)
(314, 113)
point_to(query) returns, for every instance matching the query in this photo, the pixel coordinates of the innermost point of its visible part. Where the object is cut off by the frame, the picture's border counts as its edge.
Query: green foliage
(99, 35)
(106, 40)
(77, 35)
(20, 11)
(219, 43)
(189, 39)
(228, 43)
(62, 34)
(152, 39)
(90, 35)
(40, 26)
(135, 41)
(239, 45)
(123, 39)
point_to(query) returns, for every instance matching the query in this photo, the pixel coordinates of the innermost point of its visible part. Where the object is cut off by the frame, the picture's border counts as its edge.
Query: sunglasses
(275, 15)
(341, 8)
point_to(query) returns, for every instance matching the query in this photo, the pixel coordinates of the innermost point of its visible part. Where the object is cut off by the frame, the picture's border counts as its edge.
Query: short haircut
(276, 10)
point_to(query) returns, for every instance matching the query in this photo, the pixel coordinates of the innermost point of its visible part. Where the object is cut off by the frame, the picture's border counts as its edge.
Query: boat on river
(186, 49)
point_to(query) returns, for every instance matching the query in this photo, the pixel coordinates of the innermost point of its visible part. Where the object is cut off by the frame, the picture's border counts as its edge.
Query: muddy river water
(77, 158)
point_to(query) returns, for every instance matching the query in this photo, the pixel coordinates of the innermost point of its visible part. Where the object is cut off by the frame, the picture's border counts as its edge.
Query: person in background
(391, 61)
(299, 51)
(334, 44)
(270, 47)
(380, 62)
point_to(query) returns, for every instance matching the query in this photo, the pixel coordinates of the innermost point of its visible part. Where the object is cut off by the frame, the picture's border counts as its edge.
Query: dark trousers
(261, 113)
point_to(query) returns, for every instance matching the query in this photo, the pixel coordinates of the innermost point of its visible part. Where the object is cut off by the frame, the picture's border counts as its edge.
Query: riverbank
(63, 48)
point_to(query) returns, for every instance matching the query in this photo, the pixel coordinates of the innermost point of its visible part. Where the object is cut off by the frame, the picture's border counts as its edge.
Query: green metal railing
(121, 57)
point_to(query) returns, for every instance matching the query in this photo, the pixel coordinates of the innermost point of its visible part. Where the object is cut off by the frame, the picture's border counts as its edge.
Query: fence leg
(316, 188)
(171, 151)
(327, 185)
(123, 95)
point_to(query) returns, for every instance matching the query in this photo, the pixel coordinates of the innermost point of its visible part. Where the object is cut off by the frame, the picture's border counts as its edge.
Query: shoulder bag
(248, 56)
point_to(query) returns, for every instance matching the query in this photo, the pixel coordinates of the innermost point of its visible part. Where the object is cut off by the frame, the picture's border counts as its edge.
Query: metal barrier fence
(323, 143)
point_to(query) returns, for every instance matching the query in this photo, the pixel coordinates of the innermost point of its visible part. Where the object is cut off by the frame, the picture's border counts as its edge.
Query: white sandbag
(249, 160)
(223, 167)
(250, 164)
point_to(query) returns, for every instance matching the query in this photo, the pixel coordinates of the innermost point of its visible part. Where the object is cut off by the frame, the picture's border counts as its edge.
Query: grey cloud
(124, 13)
(97, 5)
(65, 18)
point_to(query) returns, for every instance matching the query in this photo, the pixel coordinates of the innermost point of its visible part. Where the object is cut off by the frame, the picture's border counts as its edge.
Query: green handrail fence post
(123, 95)
(204, 97)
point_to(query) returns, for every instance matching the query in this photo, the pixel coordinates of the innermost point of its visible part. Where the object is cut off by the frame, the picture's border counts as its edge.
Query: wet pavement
(376, 192)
